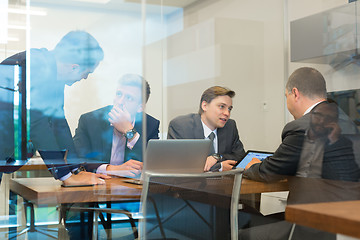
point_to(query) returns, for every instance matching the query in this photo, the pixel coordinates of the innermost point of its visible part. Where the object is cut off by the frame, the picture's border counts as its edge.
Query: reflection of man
(325, 152)
(7, 147)
(73, 58)
(305, 91)
(213, 119)
(114, 133)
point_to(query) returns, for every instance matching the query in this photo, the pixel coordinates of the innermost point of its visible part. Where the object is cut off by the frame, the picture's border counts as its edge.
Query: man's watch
(130, 134)
(217, 156)
(79, 169)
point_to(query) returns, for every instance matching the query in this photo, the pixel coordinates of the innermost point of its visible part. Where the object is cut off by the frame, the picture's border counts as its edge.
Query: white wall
(238, 44)
(344, 78)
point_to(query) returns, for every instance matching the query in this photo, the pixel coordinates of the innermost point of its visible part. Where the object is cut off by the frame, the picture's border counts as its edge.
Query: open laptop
(175, 156)
(250, 154)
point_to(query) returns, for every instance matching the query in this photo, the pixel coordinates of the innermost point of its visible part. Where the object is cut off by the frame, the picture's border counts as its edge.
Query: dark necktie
(212, 137)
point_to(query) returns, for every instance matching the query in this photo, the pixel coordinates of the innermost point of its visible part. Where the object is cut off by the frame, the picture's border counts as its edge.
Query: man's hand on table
(131, 168)
(210, 161)
(228, 165)
(252, 162)
(85, 178)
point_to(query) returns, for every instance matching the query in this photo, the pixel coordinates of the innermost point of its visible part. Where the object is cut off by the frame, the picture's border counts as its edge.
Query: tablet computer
(250, 154)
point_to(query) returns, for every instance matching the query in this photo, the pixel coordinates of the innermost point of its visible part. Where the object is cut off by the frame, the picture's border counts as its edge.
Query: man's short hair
(213, 92)
(135, 81)
(309, 81)
(79, 47)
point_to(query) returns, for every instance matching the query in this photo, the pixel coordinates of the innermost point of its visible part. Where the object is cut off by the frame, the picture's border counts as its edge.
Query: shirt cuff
(102, 169)
(63, 178)
(131, 144)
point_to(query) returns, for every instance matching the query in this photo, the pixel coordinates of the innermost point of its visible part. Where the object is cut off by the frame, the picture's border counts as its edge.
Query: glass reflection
(187, 49)
(326, 152)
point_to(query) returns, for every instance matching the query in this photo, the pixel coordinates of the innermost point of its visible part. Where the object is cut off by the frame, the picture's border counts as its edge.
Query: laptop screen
(250, 155)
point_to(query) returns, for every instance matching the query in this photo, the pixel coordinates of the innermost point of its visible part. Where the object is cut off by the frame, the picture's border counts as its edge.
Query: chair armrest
(196, 175)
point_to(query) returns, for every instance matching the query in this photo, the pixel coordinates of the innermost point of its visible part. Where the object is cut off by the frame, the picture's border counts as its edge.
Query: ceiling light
(3, 21)
(13, 39)
(94, 1)
(17, 27)
(24, 11)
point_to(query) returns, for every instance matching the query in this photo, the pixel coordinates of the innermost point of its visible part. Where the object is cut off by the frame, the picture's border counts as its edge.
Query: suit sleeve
(81, 138)
(175, 131)
(284, 161)
(237, 148)
(41, 133)
(43, 138)
(154, 133)
(83, 144)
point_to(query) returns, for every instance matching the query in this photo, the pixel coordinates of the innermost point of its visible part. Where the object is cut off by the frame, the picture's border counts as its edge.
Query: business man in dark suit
(306, 99)
(74, 57)
(115, 133)
(312, 147)
(213, 119)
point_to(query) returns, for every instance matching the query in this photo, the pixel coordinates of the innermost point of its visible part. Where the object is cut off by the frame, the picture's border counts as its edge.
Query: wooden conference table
(336, 217)
(49, 191)
(327, 205)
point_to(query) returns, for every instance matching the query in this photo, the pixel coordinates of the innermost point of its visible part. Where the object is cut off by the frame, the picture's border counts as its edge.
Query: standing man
(212, 122)
(311, 144)
(115, 133)
(75, 56)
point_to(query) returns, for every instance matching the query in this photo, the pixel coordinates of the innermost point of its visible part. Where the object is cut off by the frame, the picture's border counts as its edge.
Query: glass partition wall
(75, 55)
(180, 47)
(85, 56)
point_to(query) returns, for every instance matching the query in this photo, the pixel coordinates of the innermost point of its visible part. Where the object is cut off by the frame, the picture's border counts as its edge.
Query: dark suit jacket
(93, 136)
(338, 160)
(49, 129)
(190, 127)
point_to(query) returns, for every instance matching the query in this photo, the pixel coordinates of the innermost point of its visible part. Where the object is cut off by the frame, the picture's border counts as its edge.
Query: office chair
(234, 204)
(96, 211)
(31, 227)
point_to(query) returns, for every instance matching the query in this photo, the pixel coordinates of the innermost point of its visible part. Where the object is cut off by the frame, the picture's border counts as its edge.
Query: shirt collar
(207, 130)
(311, 107)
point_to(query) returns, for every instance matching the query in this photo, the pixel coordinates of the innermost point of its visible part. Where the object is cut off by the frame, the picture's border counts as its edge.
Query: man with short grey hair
(306, 99)
(312, 147)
